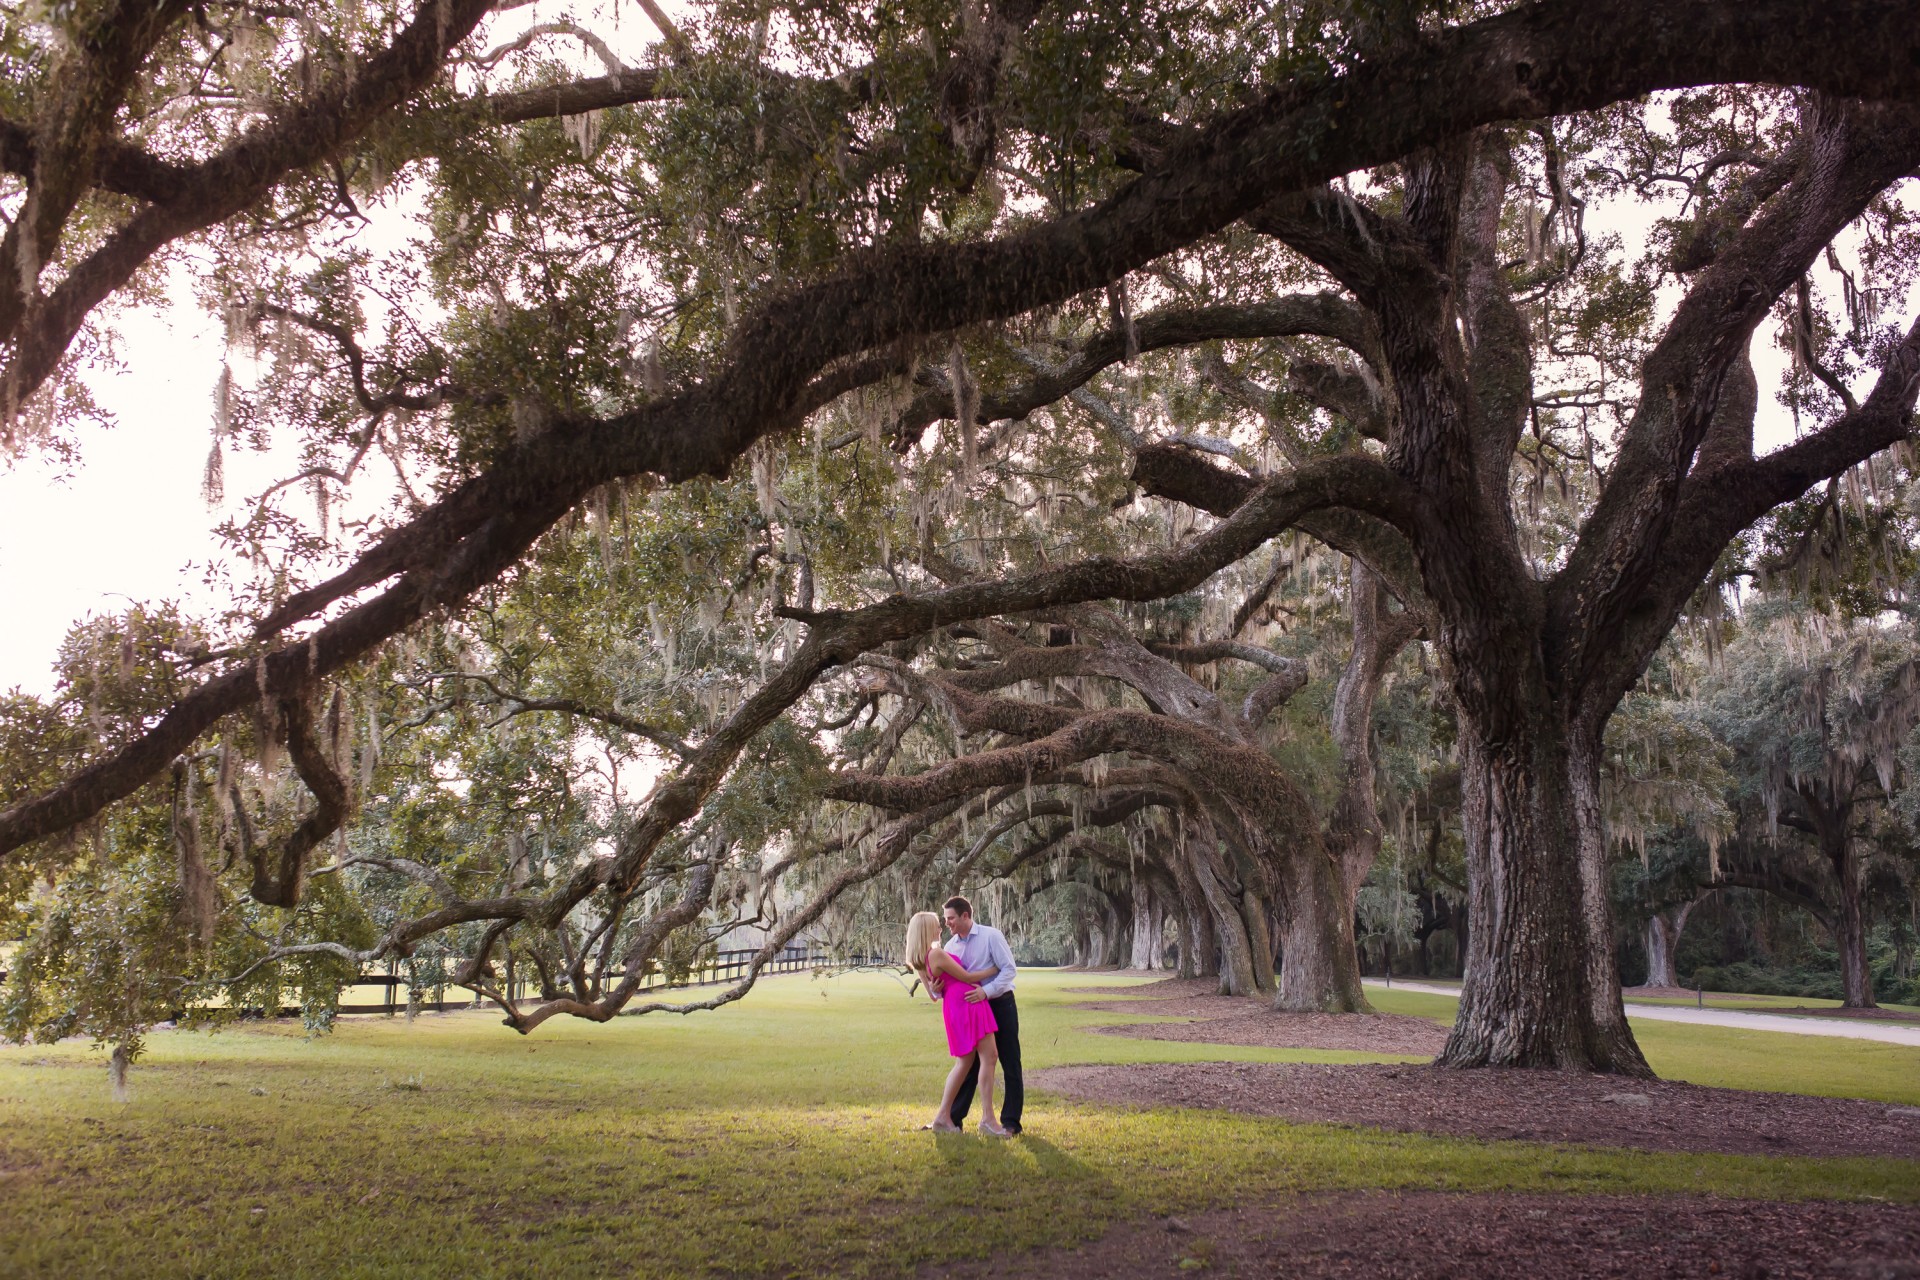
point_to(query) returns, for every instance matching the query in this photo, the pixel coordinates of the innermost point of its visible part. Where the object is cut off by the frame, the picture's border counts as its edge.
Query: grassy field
(774, 1137)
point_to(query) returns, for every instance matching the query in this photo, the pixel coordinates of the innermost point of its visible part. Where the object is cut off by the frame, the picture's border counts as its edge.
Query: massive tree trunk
(1320, 966)
(1849, 913)
(1354, 831)
(1149, 926)
(1537, 663)
(1663, 942)
(1260, 944)
(1540, 989)
(1114, 939)
(1236, 963)
(1199, 949)
(1186, 960)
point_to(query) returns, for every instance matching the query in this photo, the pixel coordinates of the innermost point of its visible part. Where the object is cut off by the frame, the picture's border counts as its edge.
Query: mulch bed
(1227, 1020)
(1442, 1234)
(1427, 1235)
(1148, 990)
(1243, 1020)
(1532, 1106)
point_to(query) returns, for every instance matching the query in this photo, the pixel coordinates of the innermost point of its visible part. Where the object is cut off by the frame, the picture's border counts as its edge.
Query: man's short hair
(958, 904)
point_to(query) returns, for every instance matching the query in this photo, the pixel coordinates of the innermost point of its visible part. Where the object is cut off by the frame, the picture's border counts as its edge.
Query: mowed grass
(774, 1137)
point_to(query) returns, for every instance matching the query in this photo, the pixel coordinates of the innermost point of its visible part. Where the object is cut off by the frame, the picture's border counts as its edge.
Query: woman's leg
(943, 1118)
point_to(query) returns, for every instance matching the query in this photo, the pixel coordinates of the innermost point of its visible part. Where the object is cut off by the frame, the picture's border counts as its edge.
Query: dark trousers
(1012, 1091)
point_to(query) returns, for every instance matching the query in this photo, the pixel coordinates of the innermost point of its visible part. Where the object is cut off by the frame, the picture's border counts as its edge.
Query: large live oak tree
(1816, 722)
(1536, 660)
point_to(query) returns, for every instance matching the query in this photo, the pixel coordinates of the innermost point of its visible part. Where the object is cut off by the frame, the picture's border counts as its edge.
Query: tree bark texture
(1849, 913)
(1149, 927)
(1663, 943)
(1535, 993)
(1320, 965)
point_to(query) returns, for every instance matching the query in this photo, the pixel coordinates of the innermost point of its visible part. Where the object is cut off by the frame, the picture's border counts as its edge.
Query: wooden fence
(723, 967)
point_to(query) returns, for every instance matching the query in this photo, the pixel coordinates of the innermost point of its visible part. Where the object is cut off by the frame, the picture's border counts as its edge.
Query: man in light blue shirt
(976, 946)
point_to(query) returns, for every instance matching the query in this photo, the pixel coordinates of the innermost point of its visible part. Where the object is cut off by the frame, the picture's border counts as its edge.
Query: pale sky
(130, 519)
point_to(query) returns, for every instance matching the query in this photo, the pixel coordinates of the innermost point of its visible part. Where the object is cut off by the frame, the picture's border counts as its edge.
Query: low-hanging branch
(834, 637)
(1165, 469)
(39, 329)
(1054, 738)
(1323, 314)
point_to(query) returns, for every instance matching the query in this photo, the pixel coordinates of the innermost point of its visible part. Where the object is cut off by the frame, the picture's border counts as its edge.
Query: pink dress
(967, 1023)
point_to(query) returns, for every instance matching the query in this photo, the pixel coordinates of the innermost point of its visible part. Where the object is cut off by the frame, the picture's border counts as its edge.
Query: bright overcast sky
(128, 522)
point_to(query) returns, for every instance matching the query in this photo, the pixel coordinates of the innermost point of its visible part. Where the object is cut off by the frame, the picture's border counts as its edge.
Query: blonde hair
(923, 933)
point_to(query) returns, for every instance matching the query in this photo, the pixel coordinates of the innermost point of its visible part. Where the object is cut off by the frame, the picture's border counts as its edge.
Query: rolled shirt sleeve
(1000, 955)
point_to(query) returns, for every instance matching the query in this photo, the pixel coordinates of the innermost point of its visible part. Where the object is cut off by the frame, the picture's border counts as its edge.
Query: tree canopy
(838, 451)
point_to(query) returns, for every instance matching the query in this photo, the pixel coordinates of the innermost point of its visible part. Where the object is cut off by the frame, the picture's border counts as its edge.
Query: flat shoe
(994, 1130)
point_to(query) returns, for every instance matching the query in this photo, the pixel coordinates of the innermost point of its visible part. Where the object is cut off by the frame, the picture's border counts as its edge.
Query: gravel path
(1795, 1024)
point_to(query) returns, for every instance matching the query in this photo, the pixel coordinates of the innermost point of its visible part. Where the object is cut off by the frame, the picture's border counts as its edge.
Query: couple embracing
(972, 979)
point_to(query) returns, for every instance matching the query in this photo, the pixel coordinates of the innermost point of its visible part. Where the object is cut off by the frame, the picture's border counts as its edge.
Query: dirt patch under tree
(1262, 1026)
(1241, 1020)
(1531, 1106)
(1439, 1234)
(1426, 1235)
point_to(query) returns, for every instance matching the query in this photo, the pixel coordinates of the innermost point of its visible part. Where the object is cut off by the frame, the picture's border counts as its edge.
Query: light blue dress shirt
(985, 945)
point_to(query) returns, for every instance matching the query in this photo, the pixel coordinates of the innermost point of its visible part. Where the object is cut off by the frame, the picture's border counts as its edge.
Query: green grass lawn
(772, 1137)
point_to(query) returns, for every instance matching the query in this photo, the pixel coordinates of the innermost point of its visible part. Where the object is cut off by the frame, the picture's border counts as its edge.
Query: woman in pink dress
(970, 1024)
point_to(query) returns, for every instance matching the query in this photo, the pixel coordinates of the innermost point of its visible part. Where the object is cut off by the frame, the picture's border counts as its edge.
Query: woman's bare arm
(947, 965)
